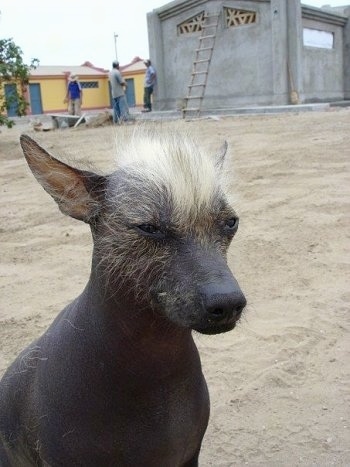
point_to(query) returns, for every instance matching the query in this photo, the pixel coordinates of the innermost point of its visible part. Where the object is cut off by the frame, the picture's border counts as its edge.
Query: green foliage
(13, 71)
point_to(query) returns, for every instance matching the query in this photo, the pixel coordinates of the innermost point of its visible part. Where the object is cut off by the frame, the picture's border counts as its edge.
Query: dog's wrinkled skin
(116, 380)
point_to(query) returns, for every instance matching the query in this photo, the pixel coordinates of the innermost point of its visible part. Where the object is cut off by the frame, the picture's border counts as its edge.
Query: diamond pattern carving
(192, 25)
(235, 17)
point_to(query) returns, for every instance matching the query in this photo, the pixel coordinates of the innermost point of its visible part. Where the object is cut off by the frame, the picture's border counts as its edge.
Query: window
(235, 17)
(316, 38)
(89, 84)
(192, 25)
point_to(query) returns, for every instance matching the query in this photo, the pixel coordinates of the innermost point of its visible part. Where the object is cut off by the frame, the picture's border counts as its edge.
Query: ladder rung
(194, 97)
(195, 85)
(204, 48)
(195, 109)
(199, 73)
(210, 36)
(206, 26)
(204, 60)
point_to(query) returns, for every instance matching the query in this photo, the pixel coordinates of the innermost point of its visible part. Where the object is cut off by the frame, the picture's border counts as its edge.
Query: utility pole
(115, 45)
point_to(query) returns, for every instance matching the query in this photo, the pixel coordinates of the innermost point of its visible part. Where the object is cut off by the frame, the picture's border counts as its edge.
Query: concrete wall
(242, 66)
(255, 64)
(322, 69)
(346, 36)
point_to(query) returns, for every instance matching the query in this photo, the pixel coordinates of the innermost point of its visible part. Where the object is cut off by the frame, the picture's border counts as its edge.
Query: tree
(13, 71)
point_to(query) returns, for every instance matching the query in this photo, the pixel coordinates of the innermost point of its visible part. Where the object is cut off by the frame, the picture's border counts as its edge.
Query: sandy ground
(280, 382)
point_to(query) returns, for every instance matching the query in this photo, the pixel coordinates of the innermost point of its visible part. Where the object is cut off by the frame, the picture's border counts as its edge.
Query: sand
(280, 382)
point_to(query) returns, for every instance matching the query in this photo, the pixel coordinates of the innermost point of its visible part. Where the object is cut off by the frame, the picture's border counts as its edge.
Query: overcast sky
(70, 32)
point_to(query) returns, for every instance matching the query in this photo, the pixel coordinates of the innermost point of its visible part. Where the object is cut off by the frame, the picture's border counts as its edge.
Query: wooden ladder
(199, 76)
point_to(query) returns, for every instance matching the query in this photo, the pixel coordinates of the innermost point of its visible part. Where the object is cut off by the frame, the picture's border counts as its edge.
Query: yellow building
(48, 86)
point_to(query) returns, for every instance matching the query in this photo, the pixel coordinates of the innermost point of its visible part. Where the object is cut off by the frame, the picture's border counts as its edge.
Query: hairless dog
(116, 380)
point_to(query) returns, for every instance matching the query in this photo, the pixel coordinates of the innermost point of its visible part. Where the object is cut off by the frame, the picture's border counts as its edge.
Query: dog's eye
(231, 225)
(151, 230)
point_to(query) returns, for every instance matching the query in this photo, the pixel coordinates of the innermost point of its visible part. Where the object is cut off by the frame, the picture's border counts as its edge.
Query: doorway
(35, 99)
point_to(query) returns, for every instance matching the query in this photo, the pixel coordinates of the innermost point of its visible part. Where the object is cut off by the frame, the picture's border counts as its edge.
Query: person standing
(74, 95)
(150, 81)
(118, 87)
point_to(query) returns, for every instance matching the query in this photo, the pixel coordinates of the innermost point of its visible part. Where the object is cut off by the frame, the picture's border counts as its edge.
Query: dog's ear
(78, 193)
(220, 156)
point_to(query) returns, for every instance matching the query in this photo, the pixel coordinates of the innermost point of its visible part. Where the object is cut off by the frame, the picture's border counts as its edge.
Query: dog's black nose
(223, 302)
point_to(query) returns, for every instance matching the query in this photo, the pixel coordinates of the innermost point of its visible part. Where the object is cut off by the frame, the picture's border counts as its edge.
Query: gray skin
(116, 380)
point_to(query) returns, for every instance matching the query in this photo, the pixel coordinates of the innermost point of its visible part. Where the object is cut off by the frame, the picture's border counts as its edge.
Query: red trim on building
(90, 65)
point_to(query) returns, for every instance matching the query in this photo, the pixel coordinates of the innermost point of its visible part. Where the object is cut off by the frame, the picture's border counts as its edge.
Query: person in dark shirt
(150, 81)
(74, 95)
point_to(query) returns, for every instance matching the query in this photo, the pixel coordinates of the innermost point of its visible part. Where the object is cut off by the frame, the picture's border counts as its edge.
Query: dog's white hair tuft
(174, 161)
